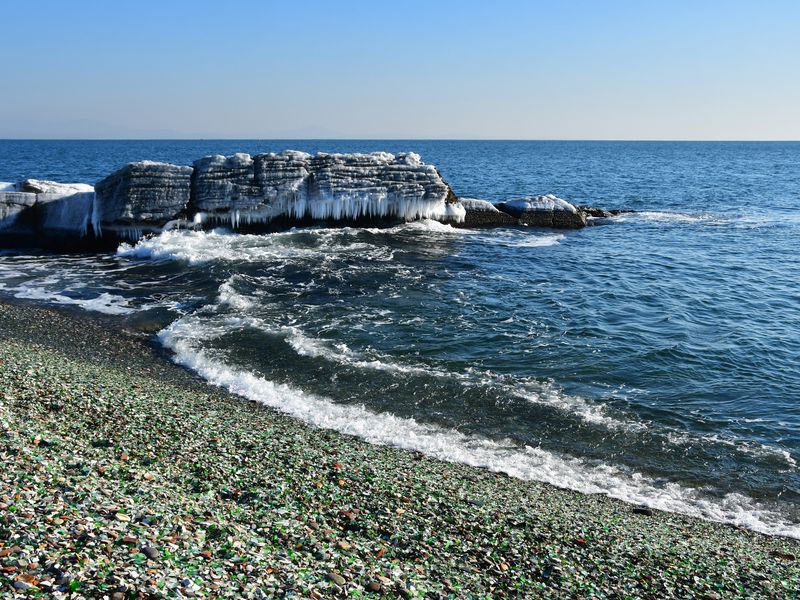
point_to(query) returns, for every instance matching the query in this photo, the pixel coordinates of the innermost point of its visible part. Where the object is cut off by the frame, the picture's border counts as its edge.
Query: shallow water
(654, 357)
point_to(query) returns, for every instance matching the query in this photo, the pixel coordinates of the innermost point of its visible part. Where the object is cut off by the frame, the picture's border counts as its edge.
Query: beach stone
(336, 578)
(374, 586)
(643, 510)
(150, 552)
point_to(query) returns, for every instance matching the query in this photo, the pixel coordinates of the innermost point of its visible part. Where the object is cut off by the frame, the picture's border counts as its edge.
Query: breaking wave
(184, 338)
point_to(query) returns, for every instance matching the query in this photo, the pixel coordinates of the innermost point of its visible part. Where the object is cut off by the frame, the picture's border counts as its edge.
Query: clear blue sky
(557, 69)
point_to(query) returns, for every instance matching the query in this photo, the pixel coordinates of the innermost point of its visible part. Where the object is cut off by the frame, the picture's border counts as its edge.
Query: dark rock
(591, 211)
(545, 211)
(374, 586)
(643, 510)
(140, 197)
(481, 213)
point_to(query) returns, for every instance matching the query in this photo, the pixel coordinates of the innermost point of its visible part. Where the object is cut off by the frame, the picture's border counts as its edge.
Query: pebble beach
(125, 476)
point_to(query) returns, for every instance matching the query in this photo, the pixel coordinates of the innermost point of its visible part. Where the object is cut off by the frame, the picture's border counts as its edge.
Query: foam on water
(106, 303)
(196, 247)
(664, 217)
(185, 336)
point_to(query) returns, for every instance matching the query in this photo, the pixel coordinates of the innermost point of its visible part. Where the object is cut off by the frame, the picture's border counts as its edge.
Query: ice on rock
(547, 202)
(482, 213)
(142, 196)
(544, 211)
(13, 205)
(54, 207)
(66, 215)
(238, 189)
(478, 205)
(54, 188)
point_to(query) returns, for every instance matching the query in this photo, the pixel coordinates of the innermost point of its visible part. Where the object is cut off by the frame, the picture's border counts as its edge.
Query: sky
(494, 69)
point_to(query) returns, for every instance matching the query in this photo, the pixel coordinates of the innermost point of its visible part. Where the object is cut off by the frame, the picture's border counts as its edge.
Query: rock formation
(141, 197)
(545, 211)
(482, 213)
(338, 187)
(273, 189)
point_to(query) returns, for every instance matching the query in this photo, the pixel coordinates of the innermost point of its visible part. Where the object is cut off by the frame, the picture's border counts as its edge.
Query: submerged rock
(545, 211)
(141, 197)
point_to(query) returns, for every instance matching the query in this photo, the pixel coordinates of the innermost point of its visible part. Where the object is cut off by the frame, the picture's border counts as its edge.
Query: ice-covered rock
(544, 211)
(65, 216)
(14, 208)
(338, 187)
(43, 209)
(142, 196)
(53, 188)
(482, 213)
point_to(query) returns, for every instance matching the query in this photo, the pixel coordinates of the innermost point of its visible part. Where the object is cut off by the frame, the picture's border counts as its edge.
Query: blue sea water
(654, 357)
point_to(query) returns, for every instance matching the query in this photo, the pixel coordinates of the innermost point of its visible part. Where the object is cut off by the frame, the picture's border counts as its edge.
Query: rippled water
(654, 357)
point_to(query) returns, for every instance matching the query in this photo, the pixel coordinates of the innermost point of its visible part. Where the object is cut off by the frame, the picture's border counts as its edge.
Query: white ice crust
(548, 202)
(325, 186)
(478, 205)
(43, 186)
(65, 207)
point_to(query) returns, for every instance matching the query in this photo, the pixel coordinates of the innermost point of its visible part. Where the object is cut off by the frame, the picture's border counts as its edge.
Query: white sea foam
(197, 247)
(342, 354)
(524, 239)
(109, 304)
(663, 217)
(184, 337)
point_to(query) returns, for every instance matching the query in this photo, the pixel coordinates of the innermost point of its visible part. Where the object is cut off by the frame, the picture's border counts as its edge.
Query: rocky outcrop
(482, 213)
(14, 207)
(545, 211)
(336, 187)
(272, 190)
(141, 197)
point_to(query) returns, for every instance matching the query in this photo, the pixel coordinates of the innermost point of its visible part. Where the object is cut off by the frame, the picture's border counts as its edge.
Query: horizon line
(385, 139)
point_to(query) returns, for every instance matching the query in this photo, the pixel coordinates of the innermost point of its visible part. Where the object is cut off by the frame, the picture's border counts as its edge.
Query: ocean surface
(654, 357)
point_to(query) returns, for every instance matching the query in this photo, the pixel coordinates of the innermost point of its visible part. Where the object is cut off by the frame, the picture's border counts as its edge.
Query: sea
(652, 357)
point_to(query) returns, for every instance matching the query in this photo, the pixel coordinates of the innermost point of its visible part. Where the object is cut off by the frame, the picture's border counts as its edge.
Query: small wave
(523, 239)
(200, 247)
(183, 338)
(743, 446)
(665, 217)
(341, 354)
